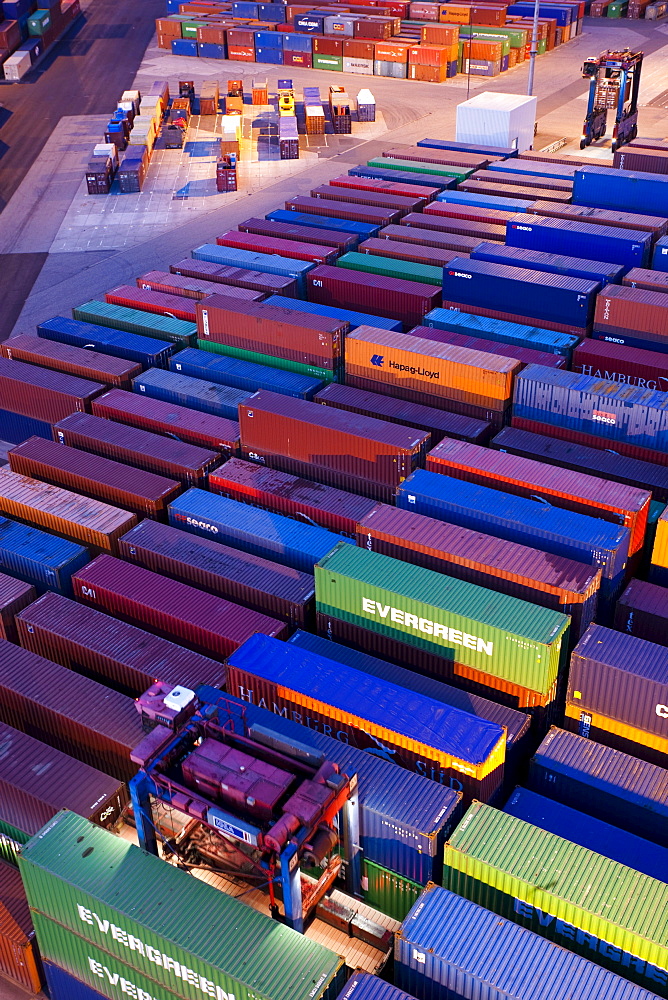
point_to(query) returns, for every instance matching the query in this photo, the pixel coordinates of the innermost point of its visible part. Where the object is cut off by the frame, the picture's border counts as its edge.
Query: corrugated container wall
(14, 596)
(45, 561)
(19, 957)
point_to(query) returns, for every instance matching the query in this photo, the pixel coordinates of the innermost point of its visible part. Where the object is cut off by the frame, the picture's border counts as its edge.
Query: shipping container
(37, 781)
(302, 499)
(422, 154)
(264, 534)
(242, 374)
(360, 229)
(517, 642)
(477, 213)
(426, 194)
(118, 317)
(62, 986)
(254, 260)
(495, 152)
(191, 426)
(203, 622)
(86, 364)
(111, 651)
(312, 252)
(74, 714)
(441, 182)
(302, 234)
(618, 788)
(146, 351)
(451, 947)
(429, 236)
(534, 168)
(135, 490)
(164, 456)
(634, 316)
(19, 956)
(409, 251)
(248, 580)
(14, 596)
(589, 832)
(412, 730)
(517, 570)
(150, 301)
(525, 355)
(372, 215)
(364, 986)
(630, 247)
(552, 529)
(536, 260)
(502, 331)
(642, 610)
(192, 393)
(391, 267)
(618, 691)
(544, 186)
(603, 217)
(192, 288)
(44, 561)
(43, 394)
(387, 200)
(621, 363)
(605, 463)
(535, 480)
(235, 277)
(624, 190)
(228, 945)
(465, 227)
(355, 319)
(479, 184)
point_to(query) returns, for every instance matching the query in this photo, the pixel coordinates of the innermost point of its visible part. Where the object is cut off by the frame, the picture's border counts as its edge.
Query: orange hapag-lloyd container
(455, 13)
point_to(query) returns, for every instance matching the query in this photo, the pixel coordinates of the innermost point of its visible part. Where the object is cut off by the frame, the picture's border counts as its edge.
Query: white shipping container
(351, 65)
(17, 65)
(497, 120)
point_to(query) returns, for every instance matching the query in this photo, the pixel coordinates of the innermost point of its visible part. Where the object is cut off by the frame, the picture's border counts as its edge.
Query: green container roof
(419, 167)
(71, 863)
(406, 269)
(135, 320)
(267, 359)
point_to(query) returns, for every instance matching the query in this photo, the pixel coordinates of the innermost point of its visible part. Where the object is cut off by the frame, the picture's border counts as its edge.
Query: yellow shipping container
(660, 550)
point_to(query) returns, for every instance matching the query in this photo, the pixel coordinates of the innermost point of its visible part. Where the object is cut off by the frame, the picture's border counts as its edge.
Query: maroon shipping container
(101, 478)
(326, 438)
(357, 48)
(524, 354)
(72, 360)
(14, 596)
(235, 277)
(425, 194)
(192, 426)
(338, 210)
(113, 652)
(192, 288)
(602, 217)
(43, 394)
(283, 493)
(464, 227)
(643, 277)
(19, 957)
(514, 191)
(446, 157)
(620, 309)
(492, 216)
(396, 298)
(302, 234)
(431, 256)
(621, 363)
(498, 177)
(152, 302)
(201, 621)
(591, 440)
(647, 161)
(348, 196)
(315, 253)
(274, 330)
(432, 237)
(68, 711)
(327, 46)
(642, 610)
(439, 423)
(165, 456)
(506, 567)
(246, 579)
(37, 781)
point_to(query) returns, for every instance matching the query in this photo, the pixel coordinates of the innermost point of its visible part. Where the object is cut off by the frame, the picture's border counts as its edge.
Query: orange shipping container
(455, 13)
(429, 74)
(392, 51)
(18, 948)
(430, 55)
(441, 34)
(478, 49)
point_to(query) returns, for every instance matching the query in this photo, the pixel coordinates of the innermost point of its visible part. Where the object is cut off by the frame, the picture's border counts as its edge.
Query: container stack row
(29, 29)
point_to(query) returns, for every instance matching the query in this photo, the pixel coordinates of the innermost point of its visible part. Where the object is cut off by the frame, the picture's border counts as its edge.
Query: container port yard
(334, 500)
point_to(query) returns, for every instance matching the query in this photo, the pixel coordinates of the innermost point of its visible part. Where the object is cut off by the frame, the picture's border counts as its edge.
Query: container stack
(29, 30)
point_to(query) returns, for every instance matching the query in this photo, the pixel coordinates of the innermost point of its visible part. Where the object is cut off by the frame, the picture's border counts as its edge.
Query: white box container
(107, 149)
(17, 65)
(497, 120)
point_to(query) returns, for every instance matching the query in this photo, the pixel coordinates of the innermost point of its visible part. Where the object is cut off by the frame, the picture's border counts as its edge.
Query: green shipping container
(189, 28)
(516, 36)
(166, 925)
(388, 892)
(178, 331)
(541, 47)
(617, 9)
(39, 22)
(518, 642)
(11, 840)
(268, 359)
(405, 269)
(596, 907)
(419, 167)
(333, 63)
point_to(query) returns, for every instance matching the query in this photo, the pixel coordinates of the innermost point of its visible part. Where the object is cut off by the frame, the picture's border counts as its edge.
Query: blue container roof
(469, 147)
(588, 831)
(354, 318)
(543, 279)
(364, 229)
(610, 393)
(485, 201)
(234, 371)
(364, 986)
(611, 234)
(427, 180)
(410, 714)
(198, 394)
(624, 652)
(250, 259)
(105, 335)
(30, 543)
(504, 330)
(537, 260)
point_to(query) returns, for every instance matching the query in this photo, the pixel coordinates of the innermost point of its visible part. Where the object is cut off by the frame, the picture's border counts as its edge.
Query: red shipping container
(488, 14)
(357, 213)
(643, 277)
(14, 596)
(200, 621)
(590, 440)
(10, 35)
(283, 493)
(283, 230)
(136, 490)
(19, 957)
(193, 426)
(350, 444)
(430, 238)
(442, 157)
(428, 74)
(351, 196)
(429, 55)
(620, 309)
(241, 36)
(425, 194)
(395, 298)
(379, 28)
(357, 48)
(514, 191)
(622, 363)
(328, 46)
(114, 652)
(492, 216)
(499, 178)
(464, 227)
(297, 58)
(431, 256)
(72, 360)
(313, 252)
(235, 277)
(392, 51)
(647, 161)
(528, 478)
(240, 53)
(526, 355)
(152, 302)
(43, 394)
(191, 288)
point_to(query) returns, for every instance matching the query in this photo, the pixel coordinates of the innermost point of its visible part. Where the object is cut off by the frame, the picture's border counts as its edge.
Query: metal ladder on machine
(614, 82)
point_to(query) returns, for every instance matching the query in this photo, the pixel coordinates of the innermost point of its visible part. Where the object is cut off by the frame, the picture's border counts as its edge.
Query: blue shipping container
(425, 180)
(611, 410)
(551, 529)
(562, 15)
(195, 393)
(245, 374)
(469, 147)
(45, 561)
(271, 12)
(252, 529)
(660, 255)
(269, 39)
(209, 50)
(131, 346)
(184, 47)
(269, 55)
(266, 263)
(364, 986)
(354, 318)
(502, 331)
(292, 42)
(631, 247)
(626, 190)
(15, 428)
(614, 786)
(242, 8)
(63, 986)
(312, 24)
(364, 230)
(485, 201)
(449, 948)
(536, 294)
(590, 832)
(536, 260)
(536, 168)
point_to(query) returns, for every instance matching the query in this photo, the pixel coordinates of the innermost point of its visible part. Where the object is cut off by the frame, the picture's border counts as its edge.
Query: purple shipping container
(340, 210)
(431, 256)
(192, 288)
(203, 622)
(389, 201)
(148, 414)
(75, 361)
(282, 493)
(72, 713)
(165, 456)
(43, 394)
(642, 610)
(283, 230)
(524, 354)
(313, 252)
(256, 583)
(440, 239)
(118, 654)
(270, 284)
(463, 227)
(15, 595)
(396, 298)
